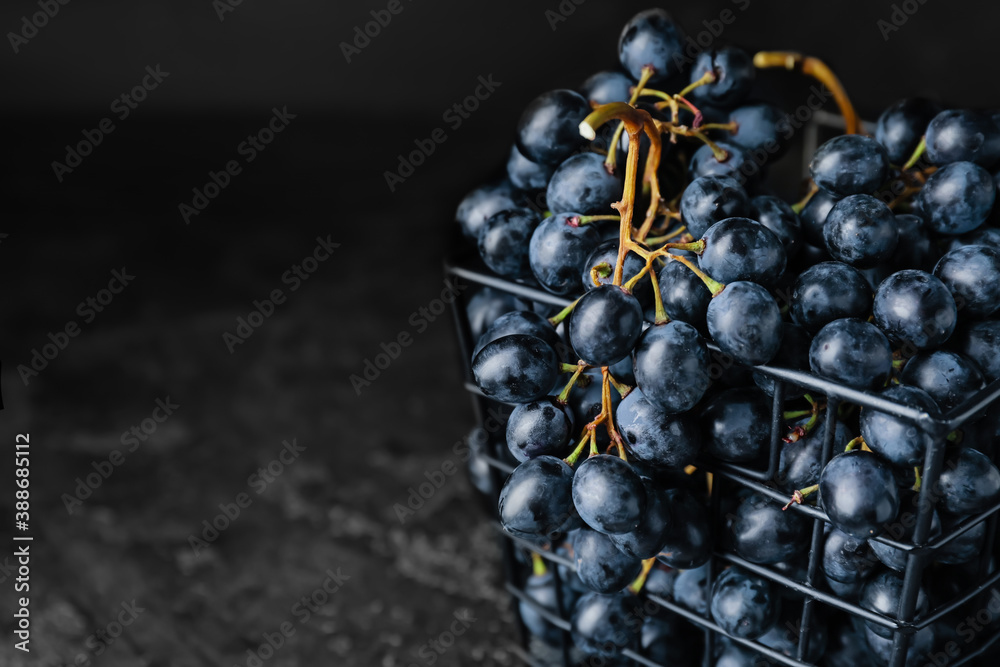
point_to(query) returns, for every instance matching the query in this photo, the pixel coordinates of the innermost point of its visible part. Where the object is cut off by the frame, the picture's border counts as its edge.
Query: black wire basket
(920, 550)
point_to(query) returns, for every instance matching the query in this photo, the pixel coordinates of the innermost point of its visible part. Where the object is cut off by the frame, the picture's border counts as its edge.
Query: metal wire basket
(920, 551)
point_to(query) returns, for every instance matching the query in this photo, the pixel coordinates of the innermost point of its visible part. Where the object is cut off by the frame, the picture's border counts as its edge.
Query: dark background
(323, 175)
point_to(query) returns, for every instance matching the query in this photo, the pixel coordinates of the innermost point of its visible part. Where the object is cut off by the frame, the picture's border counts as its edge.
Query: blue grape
(969, 483)
(539, 428)
(685, 297)
(972, 275)
(859, 493)
(949, 377)
(734, 76)
(671, 366)
(608, 495)
(801, 462)
(901, 126)
(601, 566)
(503, 242)
(850, 164)
(737, 164)
(846, 558)
(765, 534)
(582, 184)
(607, 86)
(557, 251)
(882, 595)
(915, 309)
(980, 342)
(549, 129)
(737, 425)
(745, 322)
(605, 325)
(962, 135)
(742, 249)
(814, 215)
(757, 130)
(519, 322)
(709, 199)
(691, 589)
(646, 540)
(482, 203)
(605, 624)
(829, 291)
(525, 174)
(516, 369)
(536, 500)
(744, 605)
(651, 38)
(688, 539)
(956, 198)
(860, 230)
(662, 440)
(778, 216)
(896, 440)
(853, 352)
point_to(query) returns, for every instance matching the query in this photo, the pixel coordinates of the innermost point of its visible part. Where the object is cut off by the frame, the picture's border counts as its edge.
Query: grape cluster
(645, 208)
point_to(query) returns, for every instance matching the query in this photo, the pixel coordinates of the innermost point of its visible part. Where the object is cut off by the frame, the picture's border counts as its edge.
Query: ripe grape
(850, 164)
(517, 368)
(609, 495)
(536, 500)
(745, 322)
(605, 325)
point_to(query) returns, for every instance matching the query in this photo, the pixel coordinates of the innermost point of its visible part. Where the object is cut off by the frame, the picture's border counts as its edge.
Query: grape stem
(647, 566)
(853, 444)
(622, 389)
(538, 565)
(579, 220)
(577, 370)
(572, 458)
(919, 481)
(799, 432)
(562, 314)
(918, 151)
(663, 239)
(800, 495)
(818, 70)
(661, 314)
(802, 203)
(611, 160)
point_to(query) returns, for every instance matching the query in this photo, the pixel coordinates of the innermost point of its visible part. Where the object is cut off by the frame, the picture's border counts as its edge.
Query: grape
(902, 530)
(651, 38)
(921, 645)
(901, 126)
(608, 495)
(665, 642)
(743, 605)
(709, 199)
(691, 589)
(604, 624)
(541, 589)
(737, 425)
(607, 86)
(981, 343)
(647, 539)
(601, 566)
(582, 184)
(539, 428)
(947, 376)
(549, 129)
(517, 368)
(813, 218)
(882, 595)
(525, 174)
(846, 558)
(536, 500)
(663, 440)
(742, 249)
(965, 548)
(757, 128)
(585, 402)
(737, 164)
(829, 291)
(915, 249)
(849, 648)
(764, 534)
(915, 309)
(734, 76)
(745, 322)
(896, 440)
(962, 135)
(519, 322)
(853, 352)
(605, 325)
(779, 217)
(687, 542)
(671, 366)
(660, 582)
(482, 203)
(485, 306)
(503, 242)
(969, 483)
(851, 164)
(607, 253)
(557, 251)
(685, 297)
(859, 494)
(956, 199)
(972, 275)
(860, 230)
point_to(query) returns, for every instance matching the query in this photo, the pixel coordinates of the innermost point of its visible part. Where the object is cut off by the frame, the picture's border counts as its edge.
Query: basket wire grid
(920, 550)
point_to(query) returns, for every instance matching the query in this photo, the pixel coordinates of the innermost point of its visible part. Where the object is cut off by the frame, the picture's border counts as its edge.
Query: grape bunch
(650, 211)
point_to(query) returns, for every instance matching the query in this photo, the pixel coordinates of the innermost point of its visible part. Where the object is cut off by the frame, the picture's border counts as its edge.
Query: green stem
(579, 220)
(796, 414)
(611, 161)
(854, 444)
(647, 566)
(714, 286)
(916, 485)
(564, 394)
(801, 495)
(572, 458)
(622, 389)
(634, 279)
(697, 247)
(661, 313)
(917, 152)
(538, 565)
(801, 204)
(562, 314)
